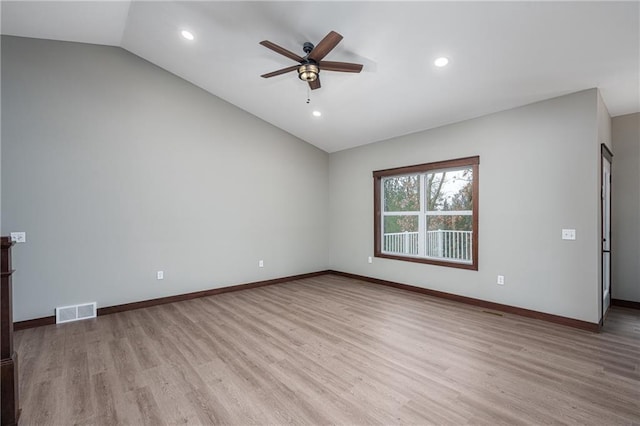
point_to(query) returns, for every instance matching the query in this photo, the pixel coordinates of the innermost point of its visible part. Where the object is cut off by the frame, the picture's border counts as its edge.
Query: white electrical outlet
(160, 275)
(568, 234)
(370, 259)
(500, 279)
(19, 237)
(260, 263)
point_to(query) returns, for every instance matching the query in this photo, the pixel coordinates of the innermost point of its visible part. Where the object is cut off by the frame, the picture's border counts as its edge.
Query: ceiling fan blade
(281, 50)
(282, 71)
(340, 66)
(315, 84)
(330, 41)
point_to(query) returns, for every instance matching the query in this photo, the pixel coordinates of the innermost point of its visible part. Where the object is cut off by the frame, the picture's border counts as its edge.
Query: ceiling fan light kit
(311, 65)
(308, 72)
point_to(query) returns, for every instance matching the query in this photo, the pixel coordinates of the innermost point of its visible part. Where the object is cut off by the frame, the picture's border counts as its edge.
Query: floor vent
(75, 312)
(498, 314)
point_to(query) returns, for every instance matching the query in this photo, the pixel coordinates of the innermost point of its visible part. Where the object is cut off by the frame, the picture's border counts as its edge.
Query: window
(428, 213)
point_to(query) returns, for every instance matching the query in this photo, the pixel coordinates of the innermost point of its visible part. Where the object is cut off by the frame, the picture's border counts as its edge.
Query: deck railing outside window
(401, 242)
(451, 245)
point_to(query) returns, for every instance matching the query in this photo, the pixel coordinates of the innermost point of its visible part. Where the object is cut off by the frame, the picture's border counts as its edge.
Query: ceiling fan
(311, 64)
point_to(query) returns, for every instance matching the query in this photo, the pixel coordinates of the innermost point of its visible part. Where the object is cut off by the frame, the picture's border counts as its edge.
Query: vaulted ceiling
(501, 55)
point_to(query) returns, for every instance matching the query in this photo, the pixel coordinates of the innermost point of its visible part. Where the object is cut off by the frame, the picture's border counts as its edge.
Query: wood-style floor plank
(328, 350)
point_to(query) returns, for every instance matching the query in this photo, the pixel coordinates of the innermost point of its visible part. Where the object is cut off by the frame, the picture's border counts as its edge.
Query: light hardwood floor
(328, 350)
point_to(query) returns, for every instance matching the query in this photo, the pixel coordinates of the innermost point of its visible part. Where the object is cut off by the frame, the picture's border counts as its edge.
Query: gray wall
(538, 173)
(117, 169)
(626, 208)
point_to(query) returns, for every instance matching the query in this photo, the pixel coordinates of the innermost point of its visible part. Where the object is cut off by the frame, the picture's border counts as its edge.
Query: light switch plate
(19, 237)
(568, 234)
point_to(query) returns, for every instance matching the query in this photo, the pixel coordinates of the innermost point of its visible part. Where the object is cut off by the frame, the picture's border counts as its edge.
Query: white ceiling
(502, 55)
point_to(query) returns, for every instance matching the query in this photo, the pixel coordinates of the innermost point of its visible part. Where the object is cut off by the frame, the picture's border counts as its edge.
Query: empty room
(352, 213)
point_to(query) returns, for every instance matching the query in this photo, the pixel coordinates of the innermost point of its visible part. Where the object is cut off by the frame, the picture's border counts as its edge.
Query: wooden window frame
(471, 162)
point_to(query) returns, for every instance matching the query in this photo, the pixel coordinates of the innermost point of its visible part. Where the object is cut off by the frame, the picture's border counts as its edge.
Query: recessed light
(316, 113)
(188, 35)
(441, 62)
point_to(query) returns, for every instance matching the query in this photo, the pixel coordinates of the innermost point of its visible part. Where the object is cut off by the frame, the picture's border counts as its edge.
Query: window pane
(400, 234)
(450, 222)
(449, 237)
(402, 193)
(449, 190)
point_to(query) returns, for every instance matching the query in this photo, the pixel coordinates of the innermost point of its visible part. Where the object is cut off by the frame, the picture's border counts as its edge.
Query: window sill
(459, 265)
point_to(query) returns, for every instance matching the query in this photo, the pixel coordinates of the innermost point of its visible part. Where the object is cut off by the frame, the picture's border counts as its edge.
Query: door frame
(605, 154)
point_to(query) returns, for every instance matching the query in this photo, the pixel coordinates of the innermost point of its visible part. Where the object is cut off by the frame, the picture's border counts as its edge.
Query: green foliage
(393, 224)
(402, 194)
